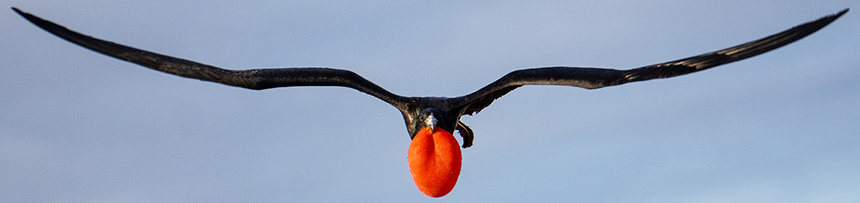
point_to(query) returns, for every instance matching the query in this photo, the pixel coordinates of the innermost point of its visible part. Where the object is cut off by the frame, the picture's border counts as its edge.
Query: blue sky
(77, 126)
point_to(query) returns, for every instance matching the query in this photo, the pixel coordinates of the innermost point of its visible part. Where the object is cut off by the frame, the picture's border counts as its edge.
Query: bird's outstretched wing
(256, 79)
(592, 78)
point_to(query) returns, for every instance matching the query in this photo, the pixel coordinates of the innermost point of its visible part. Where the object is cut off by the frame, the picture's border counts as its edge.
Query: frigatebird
(434, 155)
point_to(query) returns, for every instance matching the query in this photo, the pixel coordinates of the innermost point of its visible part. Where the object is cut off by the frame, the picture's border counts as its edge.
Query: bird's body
(430, 121)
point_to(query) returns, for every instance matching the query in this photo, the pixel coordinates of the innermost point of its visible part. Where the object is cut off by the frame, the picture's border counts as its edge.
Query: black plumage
(446, 110)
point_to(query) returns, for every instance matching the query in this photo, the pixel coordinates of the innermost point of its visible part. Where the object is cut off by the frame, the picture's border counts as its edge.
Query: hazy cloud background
(77, 126)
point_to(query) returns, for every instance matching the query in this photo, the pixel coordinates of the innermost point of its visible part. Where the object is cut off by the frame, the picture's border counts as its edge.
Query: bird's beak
(431, 122)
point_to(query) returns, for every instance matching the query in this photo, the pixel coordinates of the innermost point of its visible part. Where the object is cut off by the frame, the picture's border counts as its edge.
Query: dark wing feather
(256, 79)
(592, 78)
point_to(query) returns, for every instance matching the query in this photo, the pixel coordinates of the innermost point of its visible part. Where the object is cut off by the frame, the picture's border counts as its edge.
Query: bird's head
(428, 118)
(433, 119)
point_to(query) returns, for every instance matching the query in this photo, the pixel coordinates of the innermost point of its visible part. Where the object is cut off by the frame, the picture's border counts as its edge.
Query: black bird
(433, 115)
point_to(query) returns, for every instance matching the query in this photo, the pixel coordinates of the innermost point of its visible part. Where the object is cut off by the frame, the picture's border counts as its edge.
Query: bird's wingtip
(20, 12)
(823, 21)
(843, 11)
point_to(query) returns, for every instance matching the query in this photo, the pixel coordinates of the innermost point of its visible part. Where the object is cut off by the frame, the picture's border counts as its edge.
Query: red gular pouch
(434, 160)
